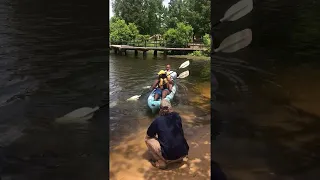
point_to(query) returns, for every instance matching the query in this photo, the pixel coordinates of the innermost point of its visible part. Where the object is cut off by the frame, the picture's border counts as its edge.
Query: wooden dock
(120, 49)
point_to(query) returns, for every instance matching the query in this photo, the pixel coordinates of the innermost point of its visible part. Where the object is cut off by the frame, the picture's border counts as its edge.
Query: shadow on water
(266, 95)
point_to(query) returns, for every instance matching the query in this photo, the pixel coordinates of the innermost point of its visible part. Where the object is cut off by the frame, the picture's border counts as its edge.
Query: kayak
(155, 105)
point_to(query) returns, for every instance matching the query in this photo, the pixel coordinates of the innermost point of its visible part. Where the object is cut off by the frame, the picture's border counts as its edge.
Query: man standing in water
(170, 145)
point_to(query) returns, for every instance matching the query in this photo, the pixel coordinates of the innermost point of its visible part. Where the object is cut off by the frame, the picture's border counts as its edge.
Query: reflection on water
(267, 95)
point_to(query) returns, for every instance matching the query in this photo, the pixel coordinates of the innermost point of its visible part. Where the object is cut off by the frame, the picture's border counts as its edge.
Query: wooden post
(136, 52)
(144, 53)
(125, 52)
(165, 53)
(155, 53)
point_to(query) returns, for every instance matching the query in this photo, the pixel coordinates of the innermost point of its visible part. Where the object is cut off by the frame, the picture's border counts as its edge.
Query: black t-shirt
(170, 136)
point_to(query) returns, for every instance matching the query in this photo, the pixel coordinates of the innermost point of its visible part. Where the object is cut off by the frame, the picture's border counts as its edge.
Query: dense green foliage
(196, 53)
(151, 17)
(207, 43)
(179, 36)
(120, 31)
(146, 14)
(175, 13)
(198, 16)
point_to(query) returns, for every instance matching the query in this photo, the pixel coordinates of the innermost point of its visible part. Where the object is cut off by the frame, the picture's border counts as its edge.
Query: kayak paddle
(184, 65)
(181, 76)
(235, 41)
(82, 114)
(236, 11)
(86, 113)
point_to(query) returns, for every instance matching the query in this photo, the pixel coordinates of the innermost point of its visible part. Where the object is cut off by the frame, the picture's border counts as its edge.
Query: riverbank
(130, 159)
(190, 57)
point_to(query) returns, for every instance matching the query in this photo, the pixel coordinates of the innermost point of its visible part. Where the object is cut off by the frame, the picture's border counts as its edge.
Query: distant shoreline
(204, 58)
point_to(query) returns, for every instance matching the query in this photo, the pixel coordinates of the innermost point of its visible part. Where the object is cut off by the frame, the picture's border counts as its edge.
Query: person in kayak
(171, 76)
(170, 144)
(172, 73)
(163, 85)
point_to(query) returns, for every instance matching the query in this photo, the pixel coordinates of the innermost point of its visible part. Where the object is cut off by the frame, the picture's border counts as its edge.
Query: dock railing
(159, 43)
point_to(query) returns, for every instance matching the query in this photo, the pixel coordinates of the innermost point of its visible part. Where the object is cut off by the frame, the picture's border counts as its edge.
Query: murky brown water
(128, 76)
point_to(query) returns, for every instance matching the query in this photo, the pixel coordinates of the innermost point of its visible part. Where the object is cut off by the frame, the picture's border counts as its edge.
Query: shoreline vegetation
(191, 57)
(178, 25)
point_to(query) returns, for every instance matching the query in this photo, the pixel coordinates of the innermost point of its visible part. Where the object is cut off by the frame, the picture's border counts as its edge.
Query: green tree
(121, 32)
(199, 16)
(154, 11)
(207, 44)
(175, 13)
(146, 14)
(133, 31)
(178, 37)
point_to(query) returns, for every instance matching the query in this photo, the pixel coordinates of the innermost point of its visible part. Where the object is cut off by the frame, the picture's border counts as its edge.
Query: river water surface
(267, 95)
(128, 77)
(53, 60)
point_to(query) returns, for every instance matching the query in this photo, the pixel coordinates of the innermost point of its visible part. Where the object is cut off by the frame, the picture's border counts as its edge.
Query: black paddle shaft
(216, 24)
(104, 105)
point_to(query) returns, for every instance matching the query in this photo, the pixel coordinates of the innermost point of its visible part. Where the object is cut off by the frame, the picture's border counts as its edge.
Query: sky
(165, 3)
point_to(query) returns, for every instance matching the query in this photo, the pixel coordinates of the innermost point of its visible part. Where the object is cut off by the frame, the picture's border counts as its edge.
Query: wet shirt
(173, 74)
(170, 136)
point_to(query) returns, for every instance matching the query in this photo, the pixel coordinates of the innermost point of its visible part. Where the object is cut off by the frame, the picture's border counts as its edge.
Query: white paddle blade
(238, 10)
(146, 87)
(134, 98)
(79, 113)
(69, 120)
(184, 65)
(183, 75)
(235, 41)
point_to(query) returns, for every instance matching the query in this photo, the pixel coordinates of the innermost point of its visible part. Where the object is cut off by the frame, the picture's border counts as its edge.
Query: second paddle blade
(235, 41)
(183, 74)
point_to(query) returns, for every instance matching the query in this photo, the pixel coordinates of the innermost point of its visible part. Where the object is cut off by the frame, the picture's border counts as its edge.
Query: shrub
(120, 32)
(178, 37)
(207, 43)
(196, 53)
